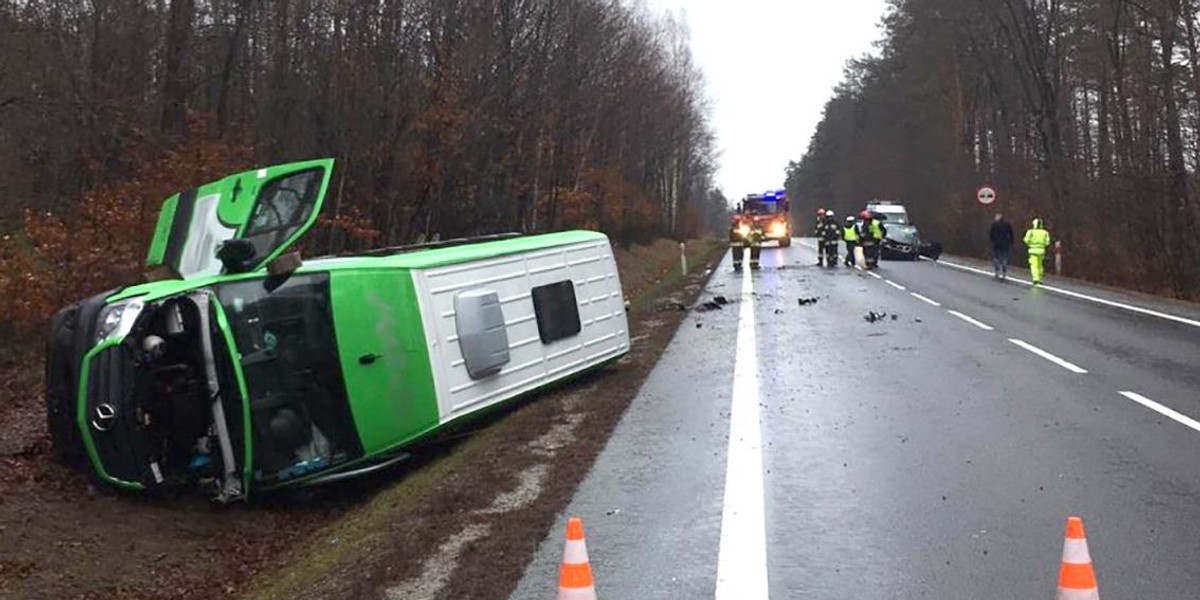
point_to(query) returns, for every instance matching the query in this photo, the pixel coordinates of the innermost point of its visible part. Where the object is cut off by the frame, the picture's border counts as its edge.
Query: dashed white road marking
(979, 324)
(895, 285)
(925, 300)
(874, 274)
(1162, 410)
(1066, 292)
(742, 556)
(1050, 357)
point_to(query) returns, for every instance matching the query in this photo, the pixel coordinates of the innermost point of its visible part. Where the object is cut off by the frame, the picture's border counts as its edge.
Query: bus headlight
(117, 319)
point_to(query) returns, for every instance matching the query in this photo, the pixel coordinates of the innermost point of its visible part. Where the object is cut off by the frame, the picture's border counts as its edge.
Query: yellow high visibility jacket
(871, 233)
(850, 233)
(1037, 239)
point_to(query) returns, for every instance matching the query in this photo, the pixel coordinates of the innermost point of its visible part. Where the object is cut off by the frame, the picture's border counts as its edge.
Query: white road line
(895, 285)
(874, 274)
(1065, 292)
(742, 557)
(1162, 410)
(925, 300)
(979, 324)
(1050, 357)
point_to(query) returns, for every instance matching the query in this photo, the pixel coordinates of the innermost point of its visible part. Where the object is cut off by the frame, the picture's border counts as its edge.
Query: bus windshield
(300, 414)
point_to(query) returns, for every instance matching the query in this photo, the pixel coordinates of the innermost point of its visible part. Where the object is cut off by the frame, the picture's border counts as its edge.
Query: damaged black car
(903, 242)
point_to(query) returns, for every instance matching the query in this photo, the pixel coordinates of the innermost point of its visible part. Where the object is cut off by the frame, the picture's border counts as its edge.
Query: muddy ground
(458, 521)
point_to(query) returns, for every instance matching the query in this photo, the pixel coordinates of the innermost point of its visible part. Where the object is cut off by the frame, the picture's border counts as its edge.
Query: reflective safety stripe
(1091, 594)
(1075, 551)
(587, 593)
(575, 553)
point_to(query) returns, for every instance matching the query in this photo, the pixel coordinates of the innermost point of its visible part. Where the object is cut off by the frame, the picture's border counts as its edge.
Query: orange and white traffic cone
(575, 574)
(1076, 579)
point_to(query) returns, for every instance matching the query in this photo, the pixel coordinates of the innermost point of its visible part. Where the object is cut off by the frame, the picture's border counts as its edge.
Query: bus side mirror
(237, 255)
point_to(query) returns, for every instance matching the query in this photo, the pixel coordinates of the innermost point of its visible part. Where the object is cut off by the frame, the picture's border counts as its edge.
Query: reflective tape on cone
(1075, 552)
(1064, 594)
(575, 553)
(1076, 578)
(588, 593)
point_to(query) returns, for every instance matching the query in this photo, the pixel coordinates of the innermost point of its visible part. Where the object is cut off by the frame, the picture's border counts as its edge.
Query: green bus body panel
(238, 194)
(162, 231)
(391, 391)
(167, 215)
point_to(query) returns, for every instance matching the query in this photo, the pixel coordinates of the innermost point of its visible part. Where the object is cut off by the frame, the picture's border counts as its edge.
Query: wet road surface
(932, 453)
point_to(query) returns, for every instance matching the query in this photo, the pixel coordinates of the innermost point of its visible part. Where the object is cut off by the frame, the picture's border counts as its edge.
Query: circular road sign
(986, 195)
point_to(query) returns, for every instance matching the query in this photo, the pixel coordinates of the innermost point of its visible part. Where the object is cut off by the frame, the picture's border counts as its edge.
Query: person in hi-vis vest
(850, 236)
(1037, 239)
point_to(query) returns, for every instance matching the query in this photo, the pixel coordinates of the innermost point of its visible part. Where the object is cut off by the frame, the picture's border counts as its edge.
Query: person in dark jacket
(819, 229)
(1001, 236)
(870, 235)
(831, 234)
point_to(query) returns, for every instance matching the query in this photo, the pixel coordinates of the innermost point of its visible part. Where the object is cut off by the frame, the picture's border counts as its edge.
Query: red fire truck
(768, 212)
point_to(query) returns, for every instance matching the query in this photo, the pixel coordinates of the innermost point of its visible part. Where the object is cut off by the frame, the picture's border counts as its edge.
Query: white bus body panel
(604, 331)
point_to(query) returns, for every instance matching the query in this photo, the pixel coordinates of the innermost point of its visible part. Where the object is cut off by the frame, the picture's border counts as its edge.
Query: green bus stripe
(236, 360)
(162, 231)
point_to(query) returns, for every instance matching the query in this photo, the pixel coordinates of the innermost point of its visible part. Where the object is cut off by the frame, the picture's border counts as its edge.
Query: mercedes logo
(105, 415)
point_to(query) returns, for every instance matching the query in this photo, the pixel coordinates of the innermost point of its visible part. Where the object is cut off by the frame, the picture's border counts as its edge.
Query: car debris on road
(874, 317)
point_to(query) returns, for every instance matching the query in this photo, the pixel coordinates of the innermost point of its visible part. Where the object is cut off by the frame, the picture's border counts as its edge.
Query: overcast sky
(770, 66)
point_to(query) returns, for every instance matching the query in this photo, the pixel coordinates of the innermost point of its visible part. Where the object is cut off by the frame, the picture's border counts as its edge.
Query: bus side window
(557, 311)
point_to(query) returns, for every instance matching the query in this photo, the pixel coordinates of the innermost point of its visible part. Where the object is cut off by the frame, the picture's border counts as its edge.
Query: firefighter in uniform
(1037, 239)
(870, 235)
(818, 228)
(830, 235)
(850, 236)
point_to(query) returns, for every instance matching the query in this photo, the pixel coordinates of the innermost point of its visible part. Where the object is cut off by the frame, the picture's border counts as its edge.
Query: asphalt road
(804, 452)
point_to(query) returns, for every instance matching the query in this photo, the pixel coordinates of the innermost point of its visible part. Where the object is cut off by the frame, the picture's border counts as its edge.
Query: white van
(891, 211)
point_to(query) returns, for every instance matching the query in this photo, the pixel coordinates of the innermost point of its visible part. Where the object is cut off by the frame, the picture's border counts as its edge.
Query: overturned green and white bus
(243, 368)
